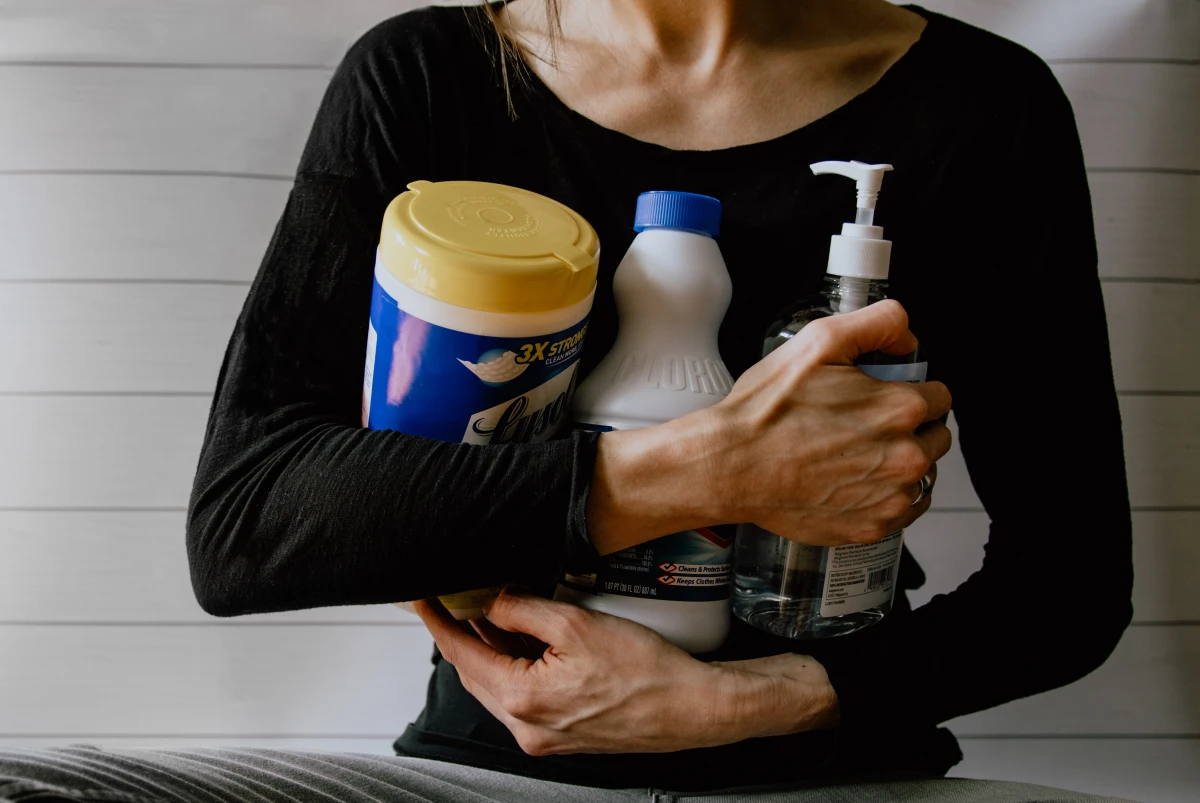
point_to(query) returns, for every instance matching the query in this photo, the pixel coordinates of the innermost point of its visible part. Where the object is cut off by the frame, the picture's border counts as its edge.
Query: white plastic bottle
(672, 290)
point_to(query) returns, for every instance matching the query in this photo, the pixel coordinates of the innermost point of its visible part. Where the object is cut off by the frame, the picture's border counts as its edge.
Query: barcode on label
(879, 578)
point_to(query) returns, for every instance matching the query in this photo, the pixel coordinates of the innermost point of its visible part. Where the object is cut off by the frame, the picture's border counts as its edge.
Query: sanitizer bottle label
(859, 577)
(440, 383)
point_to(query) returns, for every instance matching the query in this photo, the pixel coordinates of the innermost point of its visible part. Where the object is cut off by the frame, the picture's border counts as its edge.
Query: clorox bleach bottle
(478, 317)
(672, 290)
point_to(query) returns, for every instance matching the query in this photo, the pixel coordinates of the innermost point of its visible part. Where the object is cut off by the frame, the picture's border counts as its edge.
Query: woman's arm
(294, 505)
(602, 684)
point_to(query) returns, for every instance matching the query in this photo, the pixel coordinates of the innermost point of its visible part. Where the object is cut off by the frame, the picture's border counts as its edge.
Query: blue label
(440, 383)
(897, 372)
(693, 565)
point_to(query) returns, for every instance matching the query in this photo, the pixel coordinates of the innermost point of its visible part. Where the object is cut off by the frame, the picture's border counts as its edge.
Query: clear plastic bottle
(808, 592)
(672, 289)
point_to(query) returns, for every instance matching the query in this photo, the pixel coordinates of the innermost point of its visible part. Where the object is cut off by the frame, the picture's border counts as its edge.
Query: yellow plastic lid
(489, 247)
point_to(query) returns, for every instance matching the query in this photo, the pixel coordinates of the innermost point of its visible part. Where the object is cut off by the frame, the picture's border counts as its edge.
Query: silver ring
(923, 489)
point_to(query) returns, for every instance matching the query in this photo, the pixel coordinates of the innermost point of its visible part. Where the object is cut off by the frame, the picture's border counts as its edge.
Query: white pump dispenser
(860, 250)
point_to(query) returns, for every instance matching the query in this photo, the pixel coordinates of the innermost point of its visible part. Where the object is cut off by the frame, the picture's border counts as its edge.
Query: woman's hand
(600, 684)
(806, 446)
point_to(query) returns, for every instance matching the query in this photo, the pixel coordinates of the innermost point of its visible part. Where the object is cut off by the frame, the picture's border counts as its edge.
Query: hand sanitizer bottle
(809, 592)
(672, 290)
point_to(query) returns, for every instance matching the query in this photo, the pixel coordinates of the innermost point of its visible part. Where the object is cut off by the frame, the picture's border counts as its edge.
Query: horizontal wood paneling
(123, 566)
(205, 32)
(1150, 685)
(1087, 29)
(1144, 224)
(115, 337)
(1162, 450)
(381, 746)
(136, 227)
(145, 451)
(1146, 770)
(1154, 332)
(104, 566)
(99, 452)
(1136, 115)
(118, 118)
(1166, 552)
(227, 680)
(171, 338)
(305, 679)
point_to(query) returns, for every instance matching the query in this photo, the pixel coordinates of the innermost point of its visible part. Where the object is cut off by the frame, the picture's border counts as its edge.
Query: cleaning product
(801, 591)
(478, 316)
(672, 290)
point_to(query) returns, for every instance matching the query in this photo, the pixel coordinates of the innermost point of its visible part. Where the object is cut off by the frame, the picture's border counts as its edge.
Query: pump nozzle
(868, 178)
(860, 250)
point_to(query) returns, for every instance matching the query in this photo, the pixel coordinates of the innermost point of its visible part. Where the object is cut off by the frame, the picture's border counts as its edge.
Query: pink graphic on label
(406, 357)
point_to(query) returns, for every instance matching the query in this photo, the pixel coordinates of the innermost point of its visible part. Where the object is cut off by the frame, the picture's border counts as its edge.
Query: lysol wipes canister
(478, 316)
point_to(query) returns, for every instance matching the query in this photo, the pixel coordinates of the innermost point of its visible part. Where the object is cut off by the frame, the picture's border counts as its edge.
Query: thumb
(879, 327)
(555, 623)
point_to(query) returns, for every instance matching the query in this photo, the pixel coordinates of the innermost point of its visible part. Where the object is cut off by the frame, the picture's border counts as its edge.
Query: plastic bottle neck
(850, 293)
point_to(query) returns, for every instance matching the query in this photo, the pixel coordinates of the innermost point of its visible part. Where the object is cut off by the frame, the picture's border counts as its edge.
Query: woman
(591, 103)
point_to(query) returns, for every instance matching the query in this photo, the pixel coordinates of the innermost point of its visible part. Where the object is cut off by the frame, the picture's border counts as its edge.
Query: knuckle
(895, 310)
(533, 741)
(519, 703)
(573, 622)
(819, 335)
(911, 408)
(909, 463)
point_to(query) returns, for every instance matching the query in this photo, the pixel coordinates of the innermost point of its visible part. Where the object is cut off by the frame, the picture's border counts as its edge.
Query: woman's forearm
(651, 482)
(774, 696)
(805, 445)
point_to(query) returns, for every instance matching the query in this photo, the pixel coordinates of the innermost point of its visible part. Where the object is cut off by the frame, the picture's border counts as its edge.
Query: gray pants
(259, 776)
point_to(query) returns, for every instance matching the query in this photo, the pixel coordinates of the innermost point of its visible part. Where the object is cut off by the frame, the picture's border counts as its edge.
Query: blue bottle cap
(678, 210)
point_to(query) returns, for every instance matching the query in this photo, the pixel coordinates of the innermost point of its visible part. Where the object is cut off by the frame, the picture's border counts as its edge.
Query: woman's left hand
(600, 684)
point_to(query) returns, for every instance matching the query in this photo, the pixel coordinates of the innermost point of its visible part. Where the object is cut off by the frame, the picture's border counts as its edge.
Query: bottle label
(440, 383)
(693, 566)
(897, 372)
(859, 577)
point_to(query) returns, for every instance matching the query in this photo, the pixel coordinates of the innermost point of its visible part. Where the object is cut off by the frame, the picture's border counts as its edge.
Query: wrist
(650, 482)
(777, 696)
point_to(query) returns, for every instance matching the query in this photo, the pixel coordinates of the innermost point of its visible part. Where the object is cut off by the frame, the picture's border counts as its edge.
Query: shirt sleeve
(1023, 347)
(295, 505)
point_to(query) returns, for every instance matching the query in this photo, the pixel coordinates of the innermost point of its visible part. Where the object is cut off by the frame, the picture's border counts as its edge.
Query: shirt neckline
(907, 63)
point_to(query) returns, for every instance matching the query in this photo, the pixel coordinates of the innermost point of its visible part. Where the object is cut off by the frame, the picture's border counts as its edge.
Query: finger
(845, 338)
(935, 439)
(465, 652)
(937, 398)
(913, 513)
(554, 623)
(512, 644)
(486, 698)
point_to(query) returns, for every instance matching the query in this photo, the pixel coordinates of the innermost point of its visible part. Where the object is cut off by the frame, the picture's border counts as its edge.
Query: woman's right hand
(806, 446)
(811, 448)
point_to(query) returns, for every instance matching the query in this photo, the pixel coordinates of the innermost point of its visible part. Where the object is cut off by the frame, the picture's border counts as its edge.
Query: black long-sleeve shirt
(296, 506)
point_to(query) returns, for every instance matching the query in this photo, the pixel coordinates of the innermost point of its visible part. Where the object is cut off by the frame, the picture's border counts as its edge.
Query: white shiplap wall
(145, 153)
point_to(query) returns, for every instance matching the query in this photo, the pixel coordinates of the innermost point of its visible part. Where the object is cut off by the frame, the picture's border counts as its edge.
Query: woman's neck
(706, 74)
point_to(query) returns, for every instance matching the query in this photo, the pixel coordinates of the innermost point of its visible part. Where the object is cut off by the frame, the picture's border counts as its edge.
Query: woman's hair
(509, 53)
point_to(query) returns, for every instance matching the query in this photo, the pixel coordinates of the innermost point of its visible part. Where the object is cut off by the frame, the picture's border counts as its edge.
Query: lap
(88, 774)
